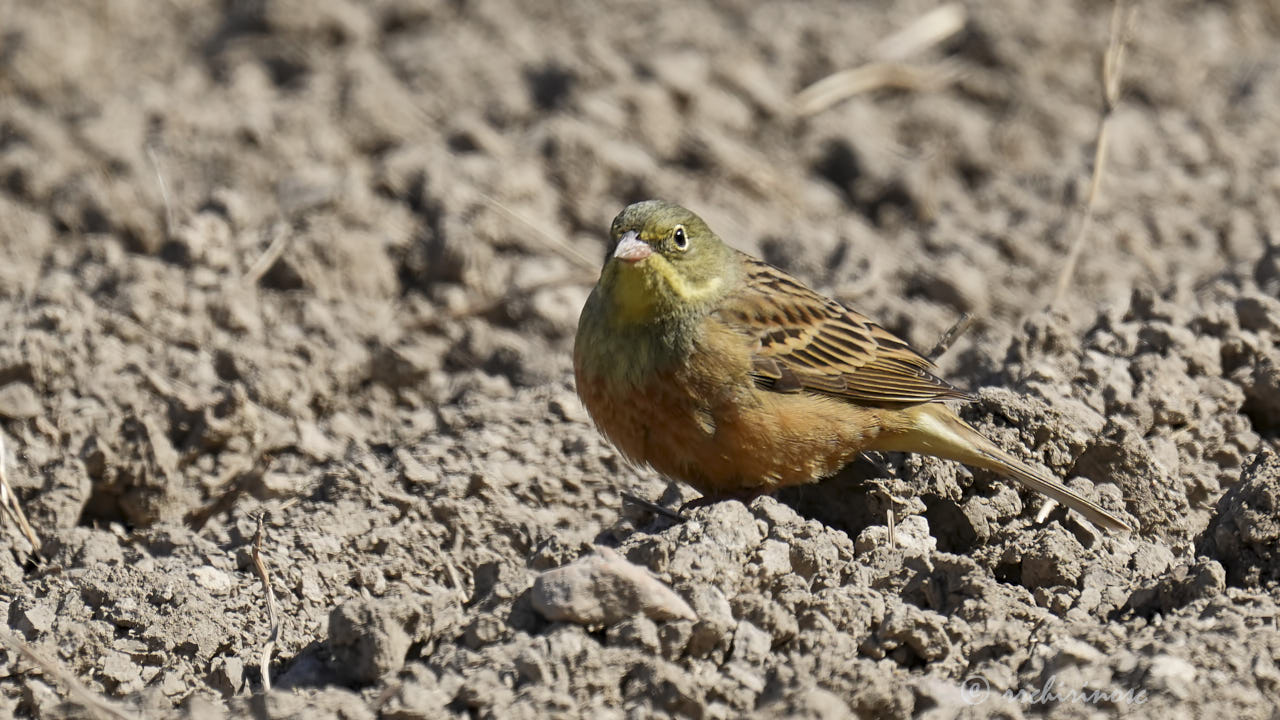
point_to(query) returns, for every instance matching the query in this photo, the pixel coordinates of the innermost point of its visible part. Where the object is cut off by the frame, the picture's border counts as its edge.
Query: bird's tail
(934, 429)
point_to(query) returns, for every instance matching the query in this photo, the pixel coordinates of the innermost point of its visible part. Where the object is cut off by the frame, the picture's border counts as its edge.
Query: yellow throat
(652, 288)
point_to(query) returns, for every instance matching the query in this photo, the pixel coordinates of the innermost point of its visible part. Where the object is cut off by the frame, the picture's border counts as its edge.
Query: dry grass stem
(97, 705)
(269, 648)
(926, 31)
(1048, 507)
(888, 68)
(12, 508)
(841, 86)
(451, 571)
(1122, 20)
(169, 219)
(960, 327)
(268, 258)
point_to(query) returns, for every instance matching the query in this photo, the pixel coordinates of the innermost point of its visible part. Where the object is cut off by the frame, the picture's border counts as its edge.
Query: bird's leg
(652, 507)
(746, 495)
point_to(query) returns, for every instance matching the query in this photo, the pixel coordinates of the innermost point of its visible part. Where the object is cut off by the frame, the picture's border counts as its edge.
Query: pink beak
(631, 248)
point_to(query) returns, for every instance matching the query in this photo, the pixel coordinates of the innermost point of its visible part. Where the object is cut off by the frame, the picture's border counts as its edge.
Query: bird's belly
(728, 443)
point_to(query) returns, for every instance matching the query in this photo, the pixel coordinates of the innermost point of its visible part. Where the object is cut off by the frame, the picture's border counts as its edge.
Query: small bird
(720, 370)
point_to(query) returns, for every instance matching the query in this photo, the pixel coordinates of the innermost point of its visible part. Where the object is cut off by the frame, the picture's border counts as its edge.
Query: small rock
(747, 675)
(1171, 674)
(321, 703)
(1258, 313)
(1076, 652)
(911, 536)
(201, 708)
(484, 630)
(171, 684)
(714, 629)
(812, 703)
(313, 442)
(1184, 584)
(1052, 560)
(1244, 530)
(483, 693)
(120, 670)
(227, 675)
(907, 627)
(30, 619)
(212, 579)
(637, 632)
(774, 558)
(750, 643)
(765, 612)
(775, 513)
(369, 638)
(18, 401)
(671, 690)
(42, 699)
(603, 589)
(407, 364)
(418, 695)
(674, 637)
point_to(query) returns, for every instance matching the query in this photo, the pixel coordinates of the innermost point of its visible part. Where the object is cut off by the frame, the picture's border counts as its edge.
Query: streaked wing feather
(805, 341)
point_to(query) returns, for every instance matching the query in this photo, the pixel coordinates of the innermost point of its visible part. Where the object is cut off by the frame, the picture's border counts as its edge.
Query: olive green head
(663, 262)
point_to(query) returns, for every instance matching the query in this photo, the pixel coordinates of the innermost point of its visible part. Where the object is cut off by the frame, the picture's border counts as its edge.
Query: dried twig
(76, 690)
(12, 508)
(451, 571)
(926, 31)
(1048, 507)
(169, 221)
(960, 327)
(260, 565)
(887, 68)
(843, 85)
(269, 257)
(1122, 20)
(232, 483)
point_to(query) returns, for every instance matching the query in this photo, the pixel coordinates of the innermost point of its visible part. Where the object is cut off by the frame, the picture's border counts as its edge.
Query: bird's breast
(701, 419)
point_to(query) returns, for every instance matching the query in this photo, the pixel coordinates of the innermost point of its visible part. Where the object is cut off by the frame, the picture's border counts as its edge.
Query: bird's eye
(680, 239)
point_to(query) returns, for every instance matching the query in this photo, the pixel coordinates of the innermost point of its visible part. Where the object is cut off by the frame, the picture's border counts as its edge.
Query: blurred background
(423, 157)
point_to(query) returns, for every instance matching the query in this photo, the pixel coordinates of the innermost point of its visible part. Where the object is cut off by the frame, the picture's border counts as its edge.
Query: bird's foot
(744, 497)
(679, 515)
(654, 507)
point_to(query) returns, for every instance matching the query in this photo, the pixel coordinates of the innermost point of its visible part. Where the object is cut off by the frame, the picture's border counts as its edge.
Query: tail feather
(936, 430)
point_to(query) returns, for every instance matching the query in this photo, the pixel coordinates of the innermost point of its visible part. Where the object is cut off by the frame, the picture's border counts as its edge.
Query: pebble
(603, 589)
(213, 580)
(18, 401)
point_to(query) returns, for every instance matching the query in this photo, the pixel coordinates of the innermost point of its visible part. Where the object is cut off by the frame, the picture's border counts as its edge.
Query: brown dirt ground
(395, 393)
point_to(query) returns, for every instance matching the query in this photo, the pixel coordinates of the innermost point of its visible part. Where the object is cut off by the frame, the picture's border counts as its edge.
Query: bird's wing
(803, 341)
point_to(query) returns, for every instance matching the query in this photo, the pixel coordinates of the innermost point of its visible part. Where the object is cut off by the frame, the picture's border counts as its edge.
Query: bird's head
(663, 263)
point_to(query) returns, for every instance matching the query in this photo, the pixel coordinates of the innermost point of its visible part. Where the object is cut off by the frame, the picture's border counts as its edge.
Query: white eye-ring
(680, 239)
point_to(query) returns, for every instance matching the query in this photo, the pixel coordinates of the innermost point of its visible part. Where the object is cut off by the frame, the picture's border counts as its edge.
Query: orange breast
(706, 423)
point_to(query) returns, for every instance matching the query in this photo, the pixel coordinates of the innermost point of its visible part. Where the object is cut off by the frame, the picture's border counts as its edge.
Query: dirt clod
(602, 589)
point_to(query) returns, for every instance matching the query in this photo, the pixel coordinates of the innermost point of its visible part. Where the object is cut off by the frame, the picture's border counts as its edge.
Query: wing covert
(804, 341)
